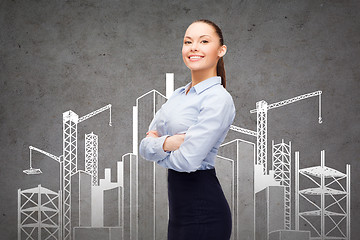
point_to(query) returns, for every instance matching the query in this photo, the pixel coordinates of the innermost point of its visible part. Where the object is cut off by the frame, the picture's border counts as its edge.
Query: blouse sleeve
(151, 148)
(213, 122)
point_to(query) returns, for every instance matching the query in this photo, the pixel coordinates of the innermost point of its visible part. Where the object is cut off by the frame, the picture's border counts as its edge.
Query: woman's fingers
(152, 133)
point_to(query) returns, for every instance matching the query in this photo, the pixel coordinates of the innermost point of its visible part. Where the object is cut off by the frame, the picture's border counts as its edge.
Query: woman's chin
(195, 68)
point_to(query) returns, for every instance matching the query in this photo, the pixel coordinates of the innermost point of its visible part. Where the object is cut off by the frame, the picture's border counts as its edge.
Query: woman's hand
(172, 143)
(152, 133)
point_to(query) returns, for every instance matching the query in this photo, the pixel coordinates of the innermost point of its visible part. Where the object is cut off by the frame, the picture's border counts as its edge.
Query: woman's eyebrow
(200, 36)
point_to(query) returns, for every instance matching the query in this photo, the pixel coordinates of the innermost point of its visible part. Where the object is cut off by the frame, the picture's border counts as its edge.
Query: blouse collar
(207, 83)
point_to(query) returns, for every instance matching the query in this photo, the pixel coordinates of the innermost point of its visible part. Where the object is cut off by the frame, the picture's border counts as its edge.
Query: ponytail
(220, 69)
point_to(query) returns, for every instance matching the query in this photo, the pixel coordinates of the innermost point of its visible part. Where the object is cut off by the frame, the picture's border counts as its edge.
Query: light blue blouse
(205, 114)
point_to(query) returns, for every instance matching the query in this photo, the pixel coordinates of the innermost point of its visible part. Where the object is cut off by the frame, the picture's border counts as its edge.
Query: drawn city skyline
(264, 201)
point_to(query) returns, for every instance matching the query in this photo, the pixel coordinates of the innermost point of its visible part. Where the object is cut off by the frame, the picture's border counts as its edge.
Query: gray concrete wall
(82, 55)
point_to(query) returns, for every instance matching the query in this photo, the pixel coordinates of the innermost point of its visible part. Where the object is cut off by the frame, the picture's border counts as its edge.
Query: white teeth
(195, 57)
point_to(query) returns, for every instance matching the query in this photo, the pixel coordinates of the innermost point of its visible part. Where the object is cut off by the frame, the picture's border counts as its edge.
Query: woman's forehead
(199, 29)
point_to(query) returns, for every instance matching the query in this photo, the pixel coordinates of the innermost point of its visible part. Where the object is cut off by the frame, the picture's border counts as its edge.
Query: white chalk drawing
(329, 199)
(262, 198)
(281, 166)
(68, 168)
(39, 213)
(91, 157)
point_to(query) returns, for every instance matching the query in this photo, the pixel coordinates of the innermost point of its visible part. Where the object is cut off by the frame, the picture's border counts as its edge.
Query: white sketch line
(243, 130)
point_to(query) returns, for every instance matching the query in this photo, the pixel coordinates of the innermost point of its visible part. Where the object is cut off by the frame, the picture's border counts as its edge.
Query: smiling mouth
(196, 58)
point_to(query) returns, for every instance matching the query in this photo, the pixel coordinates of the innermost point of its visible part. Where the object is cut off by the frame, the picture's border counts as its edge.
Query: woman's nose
(194, 47)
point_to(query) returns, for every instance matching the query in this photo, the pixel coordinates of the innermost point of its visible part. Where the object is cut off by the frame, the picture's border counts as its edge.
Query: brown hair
(220, 68)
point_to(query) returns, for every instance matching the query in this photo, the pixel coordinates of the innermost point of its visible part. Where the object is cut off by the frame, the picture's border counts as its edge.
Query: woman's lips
(195, 58)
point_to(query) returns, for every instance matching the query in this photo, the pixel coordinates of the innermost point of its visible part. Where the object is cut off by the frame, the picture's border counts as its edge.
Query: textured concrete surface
(82, 55)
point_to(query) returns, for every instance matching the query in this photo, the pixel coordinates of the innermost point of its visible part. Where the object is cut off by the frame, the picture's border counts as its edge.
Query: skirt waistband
(197, 172)
(197, 177)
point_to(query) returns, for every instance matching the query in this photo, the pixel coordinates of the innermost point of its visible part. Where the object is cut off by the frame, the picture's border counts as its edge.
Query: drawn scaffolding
(281, 165)
(329, 201)
(91, 157)
(39, 214)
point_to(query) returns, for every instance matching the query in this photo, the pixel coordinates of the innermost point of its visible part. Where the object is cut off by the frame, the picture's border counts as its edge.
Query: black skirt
(198, 209)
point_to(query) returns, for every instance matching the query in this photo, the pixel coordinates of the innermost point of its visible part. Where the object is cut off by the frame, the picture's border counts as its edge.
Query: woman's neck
(201, 75)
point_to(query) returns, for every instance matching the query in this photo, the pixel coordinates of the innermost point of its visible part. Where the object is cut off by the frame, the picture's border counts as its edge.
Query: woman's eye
(205, 41)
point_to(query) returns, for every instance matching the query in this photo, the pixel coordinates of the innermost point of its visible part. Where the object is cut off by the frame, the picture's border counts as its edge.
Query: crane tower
(70, 122)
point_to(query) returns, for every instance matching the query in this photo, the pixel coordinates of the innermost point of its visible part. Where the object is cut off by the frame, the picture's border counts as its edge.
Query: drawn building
(106, 208)
(269, 211)
(152, 187)
(130, 203)
(81, 199)
(235, 170)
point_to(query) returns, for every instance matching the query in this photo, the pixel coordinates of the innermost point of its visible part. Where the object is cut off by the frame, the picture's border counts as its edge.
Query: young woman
(185, 135)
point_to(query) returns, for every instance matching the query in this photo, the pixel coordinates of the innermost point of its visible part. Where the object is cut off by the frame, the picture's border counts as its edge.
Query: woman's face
(201, 47)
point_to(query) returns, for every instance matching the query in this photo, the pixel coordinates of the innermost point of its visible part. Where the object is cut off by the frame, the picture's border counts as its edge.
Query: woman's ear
(222, 50)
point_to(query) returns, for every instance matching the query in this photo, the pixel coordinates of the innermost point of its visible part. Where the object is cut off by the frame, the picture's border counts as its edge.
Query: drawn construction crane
(68, 160)
(70, 122)
(262, 108)
(32, 170)
(39, 223)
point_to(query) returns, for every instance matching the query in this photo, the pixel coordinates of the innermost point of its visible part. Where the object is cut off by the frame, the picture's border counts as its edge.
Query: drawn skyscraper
(129, 210)
(152, 184)
(81, 199)
(235, 170)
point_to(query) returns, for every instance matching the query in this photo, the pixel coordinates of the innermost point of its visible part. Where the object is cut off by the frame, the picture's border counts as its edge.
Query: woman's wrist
(165, 148)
